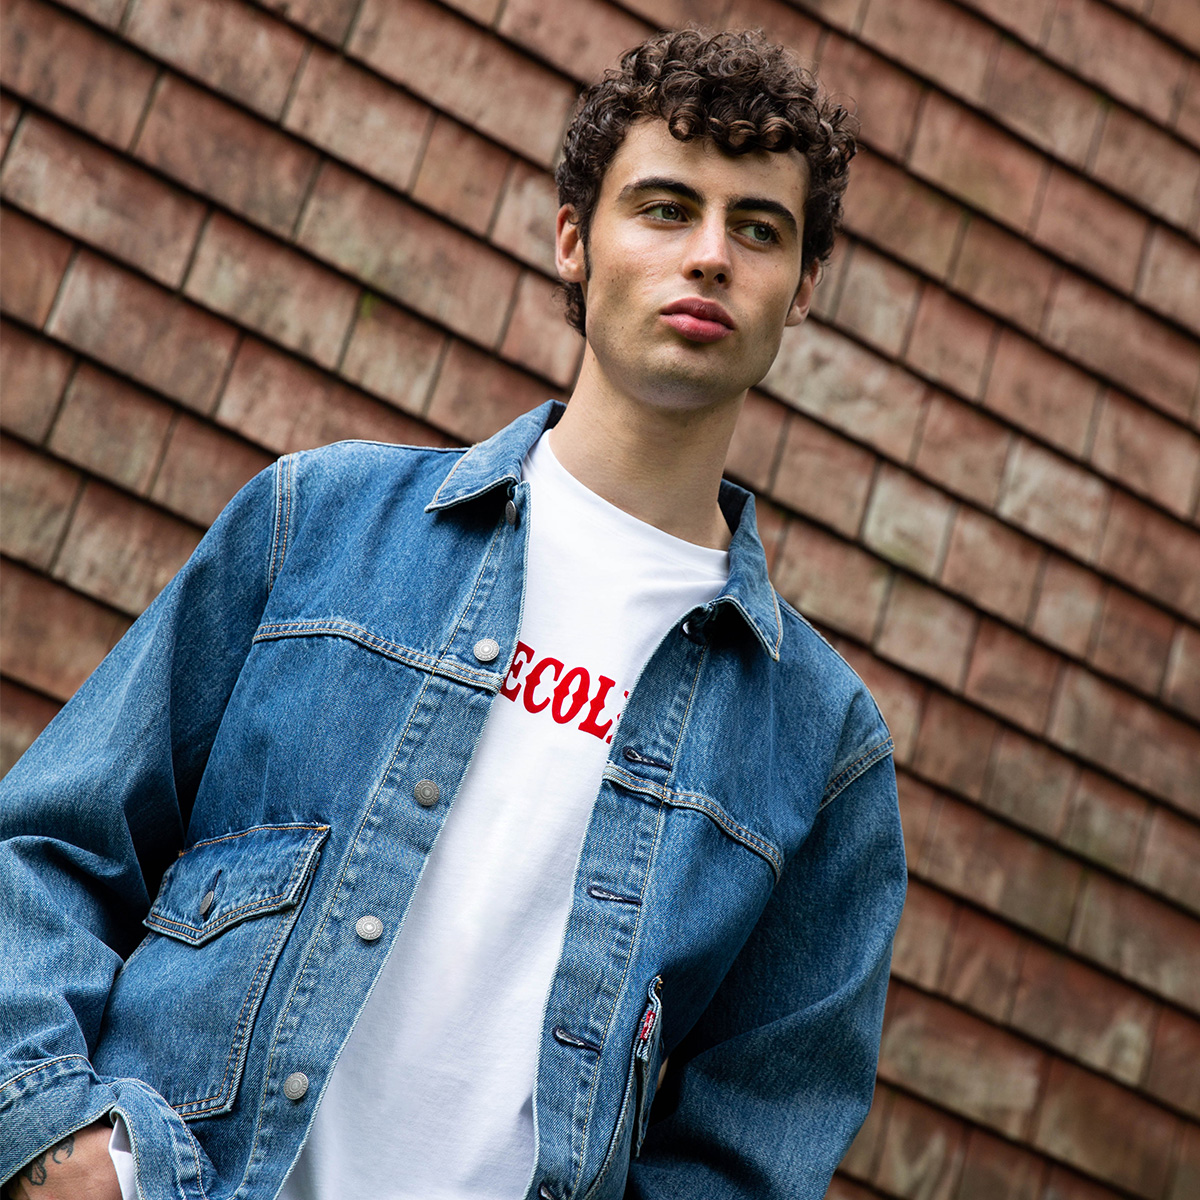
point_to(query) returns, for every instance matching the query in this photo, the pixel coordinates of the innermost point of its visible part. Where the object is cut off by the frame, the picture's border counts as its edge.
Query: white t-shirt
(432, 1097)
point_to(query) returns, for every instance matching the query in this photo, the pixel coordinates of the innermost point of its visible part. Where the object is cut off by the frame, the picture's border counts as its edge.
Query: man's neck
(659, 464)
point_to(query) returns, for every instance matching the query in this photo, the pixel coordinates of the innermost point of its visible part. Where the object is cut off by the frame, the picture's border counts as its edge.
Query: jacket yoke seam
(437, 665)
(702, 803)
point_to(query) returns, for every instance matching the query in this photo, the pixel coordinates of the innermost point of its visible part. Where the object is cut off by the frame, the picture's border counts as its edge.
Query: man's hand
(77, 1168)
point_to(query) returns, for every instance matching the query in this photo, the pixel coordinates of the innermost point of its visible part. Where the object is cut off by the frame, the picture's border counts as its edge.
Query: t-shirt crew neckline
(541, 460)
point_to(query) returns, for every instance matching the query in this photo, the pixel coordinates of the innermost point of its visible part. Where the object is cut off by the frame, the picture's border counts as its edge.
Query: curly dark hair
(739, 89)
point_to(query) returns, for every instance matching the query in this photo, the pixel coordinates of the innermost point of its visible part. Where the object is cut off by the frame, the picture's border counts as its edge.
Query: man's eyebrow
(662, 183)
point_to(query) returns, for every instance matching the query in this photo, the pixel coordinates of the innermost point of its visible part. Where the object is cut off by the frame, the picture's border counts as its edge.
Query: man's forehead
(650, 151)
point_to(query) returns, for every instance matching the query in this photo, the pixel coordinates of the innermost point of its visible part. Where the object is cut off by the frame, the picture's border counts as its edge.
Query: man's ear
(804, 295)
(569, 255)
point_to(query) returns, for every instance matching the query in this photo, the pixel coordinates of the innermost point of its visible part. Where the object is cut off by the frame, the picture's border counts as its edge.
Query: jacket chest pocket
(182, 1009)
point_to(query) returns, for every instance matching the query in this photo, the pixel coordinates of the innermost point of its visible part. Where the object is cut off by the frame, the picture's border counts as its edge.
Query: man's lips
(698, 320)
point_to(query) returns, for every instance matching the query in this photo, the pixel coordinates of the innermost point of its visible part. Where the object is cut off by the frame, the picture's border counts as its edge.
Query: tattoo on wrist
(35, 1170)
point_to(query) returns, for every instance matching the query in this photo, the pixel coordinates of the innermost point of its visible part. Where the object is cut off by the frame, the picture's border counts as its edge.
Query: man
(518, 840)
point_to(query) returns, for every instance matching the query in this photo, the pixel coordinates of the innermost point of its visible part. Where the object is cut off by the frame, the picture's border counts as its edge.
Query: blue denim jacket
(237, 778)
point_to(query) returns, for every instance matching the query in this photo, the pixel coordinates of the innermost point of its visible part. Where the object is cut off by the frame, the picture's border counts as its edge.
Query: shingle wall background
(232, 230)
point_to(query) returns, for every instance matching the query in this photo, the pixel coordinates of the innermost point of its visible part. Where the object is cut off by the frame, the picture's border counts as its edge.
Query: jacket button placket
(619, 846)
(442, 721)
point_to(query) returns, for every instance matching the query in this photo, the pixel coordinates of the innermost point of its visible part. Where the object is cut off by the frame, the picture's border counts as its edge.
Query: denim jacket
(190, 843)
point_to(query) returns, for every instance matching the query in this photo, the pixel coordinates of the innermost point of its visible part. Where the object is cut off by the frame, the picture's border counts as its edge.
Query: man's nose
(707, 254)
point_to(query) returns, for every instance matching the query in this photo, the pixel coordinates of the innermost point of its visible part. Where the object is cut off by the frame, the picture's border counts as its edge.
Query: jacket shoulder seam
(846, 776)
(282, 519)
(286, 483)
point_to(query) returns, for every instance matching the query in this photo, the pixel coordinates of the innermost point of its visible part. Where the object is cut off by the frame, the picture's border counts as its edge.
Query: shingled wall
(235, 230)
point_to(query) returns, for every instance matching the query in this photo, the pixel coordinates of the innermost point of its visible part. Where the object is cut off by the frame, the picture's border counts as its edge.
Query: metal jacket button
(487, 649)
(368, 928)
(206, 902)
(295, 1085)
(510, 513)
(426, 793)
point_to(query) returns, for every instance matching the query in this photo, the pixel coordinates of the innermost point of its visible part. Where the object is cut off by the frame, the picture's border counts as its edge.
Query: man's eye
(760, 231)
(665, 211)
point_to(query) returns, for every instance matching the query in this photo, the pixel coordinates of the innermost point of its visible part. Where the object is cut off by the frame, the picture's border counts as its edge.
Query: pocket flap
(220, 882)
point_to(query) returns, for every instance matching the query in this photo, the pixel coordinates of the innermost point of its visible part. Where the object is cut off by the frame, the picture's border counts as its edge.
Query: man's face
(692, 267)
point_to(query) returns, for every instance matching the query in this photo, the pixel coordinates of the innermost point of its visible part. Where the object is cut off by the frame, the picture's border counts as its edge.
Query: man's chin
(674, 373)
(692, 380)
(689, 391)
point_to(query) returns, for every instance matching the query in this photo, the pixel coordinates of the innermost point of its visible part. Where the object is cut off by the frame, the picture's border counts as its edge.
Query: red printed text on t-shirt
(547, 685)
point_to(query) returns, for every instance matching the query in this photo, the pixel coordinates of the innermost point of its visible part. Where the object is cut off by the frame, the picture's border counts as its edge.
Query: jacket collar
(497, 462)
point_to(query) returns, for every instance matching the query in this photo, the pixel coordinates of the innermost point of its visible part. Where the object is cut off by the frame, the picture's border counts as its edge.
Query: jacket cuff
(41, 1105)
(168, 1162)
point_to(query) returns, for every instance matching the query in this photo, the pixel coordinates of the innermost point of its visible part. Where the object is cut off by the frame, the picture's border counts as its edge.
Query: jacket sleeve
(96, 809)
(776, 1077)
